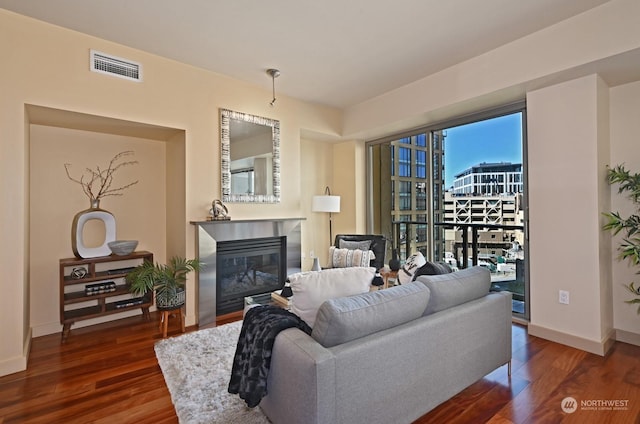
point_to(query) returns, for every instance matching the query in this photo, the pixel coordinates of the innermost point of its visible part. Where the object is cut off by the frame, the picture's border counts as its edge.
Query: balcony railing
(506, 265)
(474, 227)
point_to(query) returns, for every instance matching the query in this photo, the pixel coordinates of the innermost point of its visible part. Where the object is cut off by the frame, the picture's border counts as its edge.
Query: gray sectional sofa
(392, 355)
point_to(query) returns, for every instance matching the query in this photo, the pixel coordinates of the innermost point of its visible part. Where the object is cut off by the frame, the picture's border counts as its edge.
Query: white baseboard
(17, 363)
(13, 365)
(628, 337)
(46, 329)
(599, 348)
(55, 327)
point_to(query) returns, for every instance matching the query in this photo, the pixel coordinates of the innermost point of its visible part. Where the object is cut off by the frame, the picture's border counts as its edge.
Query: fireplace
(242, 258)
(247, 267)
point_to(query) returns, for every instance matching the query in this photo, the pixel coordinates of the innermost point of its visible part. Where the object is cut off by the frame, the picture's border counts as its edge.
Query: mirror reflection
(250, 158)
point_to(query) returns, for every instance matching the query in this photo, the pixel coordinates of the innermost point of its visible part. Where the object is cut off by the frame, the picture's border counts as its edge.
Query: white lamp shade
(326, 204)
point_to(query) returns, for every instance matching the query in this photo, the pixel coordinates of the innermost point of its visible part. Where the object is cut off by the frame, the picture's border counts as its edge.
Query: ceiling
(332, 52)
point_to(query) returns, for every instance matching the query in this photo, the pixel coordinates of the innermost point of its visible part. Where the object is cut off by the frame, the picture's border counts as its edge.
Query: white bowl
(123, 247)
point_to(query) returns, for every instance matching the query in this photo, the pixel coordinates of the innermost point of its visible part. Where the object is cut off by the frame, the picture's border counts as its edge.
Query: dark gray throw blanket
(252, 359)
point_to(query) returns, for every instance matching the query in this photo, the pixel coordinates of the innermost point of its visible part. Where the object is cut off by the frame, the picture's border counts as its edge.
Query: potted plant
(168, 281)
(630, 247)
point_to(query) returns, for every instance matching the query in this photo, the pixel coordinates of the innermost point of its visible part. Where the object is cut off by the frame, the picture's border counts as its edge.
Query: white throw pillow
(311, 289)
(411, 265)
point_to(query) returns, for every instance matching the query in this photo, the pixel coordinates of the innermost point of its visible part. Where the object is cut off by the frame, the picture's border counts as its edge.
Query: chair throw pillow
(411, 265)
(312, 288)
(432, 268)
(353, 245)
(343, 258)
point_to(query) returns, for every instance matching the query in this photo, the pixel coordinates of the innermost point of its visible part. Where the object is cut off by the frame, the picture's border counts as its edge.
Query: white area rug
(197, 368)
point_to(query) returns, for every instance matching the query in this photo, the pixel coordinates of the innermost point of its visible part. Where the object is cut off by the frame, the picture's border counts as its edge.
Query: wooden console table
(95, 287)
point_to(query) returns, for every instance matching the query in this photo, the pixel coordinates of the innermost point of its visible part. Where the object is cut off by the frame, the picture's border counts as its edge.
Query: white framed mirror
(250, 156)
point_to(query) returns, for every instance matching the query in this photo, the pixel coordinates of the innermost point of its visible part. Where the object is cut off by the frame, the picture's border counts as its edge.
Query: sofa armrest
(302, 373)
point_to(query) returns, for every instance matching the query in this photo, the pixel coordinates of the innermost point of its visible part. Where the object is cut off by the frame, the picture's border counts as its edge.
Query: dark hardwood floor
(109, 374)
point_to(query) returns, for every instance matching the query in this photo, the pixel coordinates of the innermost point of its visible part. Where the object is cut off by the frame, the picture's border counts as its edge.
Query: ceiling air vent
(115, 66)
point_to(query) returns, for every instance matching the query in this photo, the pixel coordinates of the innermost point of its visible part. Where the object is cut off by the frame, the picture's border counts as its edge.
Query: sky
(493, 140)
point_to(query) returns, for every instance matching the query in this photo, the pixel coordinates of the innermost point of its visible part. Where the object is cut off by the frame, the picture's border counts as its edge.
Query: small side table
(164, 319)
(389, 277)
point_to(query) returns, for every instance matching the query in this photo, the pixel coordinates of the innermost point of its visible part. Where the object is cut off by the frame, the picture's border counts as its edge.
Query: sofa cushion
(432, 268)
(311, 289)
(347, 318)
(342, 258)
(453, 289)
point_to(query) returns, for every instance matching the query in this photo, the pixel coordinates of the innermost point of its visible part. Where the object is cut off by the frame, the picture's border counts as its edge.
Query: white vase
(77, 228)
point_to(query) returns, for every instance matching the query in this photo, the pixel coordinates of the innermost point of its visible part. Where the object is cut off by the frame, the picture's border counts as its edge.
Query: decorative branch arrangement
(96, 184)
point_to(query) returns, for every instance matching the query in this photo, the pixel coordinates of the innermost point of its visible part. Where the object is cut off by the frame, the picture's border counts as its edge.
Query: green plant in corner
(167, 280)
(630, 247)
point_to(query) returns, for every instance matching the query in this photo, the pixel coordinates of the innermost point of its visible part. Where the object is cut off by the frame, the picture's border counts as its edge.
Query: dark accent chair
(378, 246)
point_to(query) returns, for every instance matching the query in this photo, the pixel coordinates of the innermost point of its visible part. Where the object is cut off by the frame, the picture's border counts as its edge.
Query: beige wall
(349, 181)
(625, 132)
(565, 53)
(187, 99)
(316, 160)
(140, 212)
(558, 53)
(341, 167)
(48, 66)
(567, 153)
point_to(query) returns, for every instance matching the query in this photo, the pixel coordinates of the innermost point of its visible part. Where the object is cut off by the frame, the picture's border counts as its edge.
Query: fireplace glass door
(248, 267)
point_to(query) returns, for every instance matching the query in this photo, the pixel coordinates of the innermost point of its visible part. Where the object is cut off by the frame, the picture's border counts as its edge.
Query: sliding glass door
(457, 193)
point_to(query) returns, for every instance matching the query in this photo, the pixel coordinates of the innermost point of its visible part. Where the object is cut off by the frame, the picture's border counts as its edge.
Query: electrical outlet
(563, 297)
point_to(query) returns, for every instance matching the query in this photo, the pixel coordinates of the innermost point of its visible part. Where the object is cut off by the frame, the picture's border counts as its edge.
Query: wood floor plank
(109, 373)
(498, 419)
